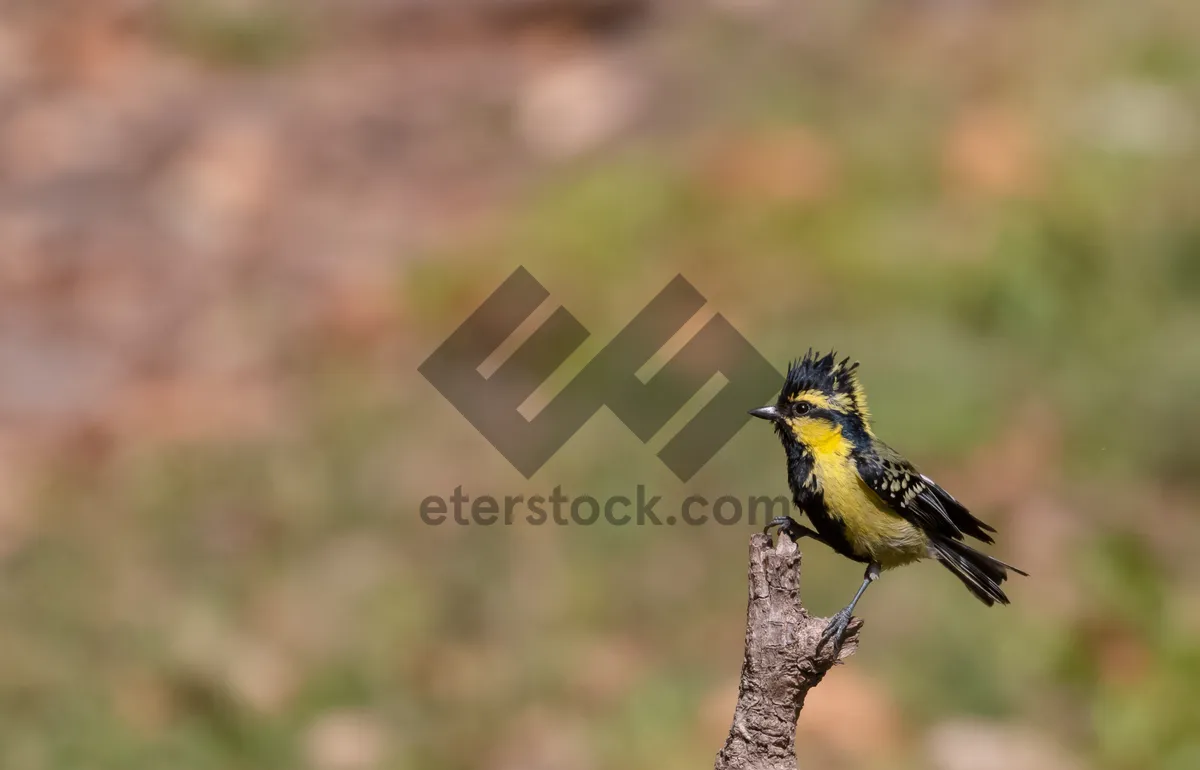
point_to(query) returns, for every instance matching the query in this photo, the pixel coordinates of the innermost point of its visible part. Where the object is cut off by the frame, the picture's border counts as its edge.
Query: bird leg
(790, 527)
(838, 623)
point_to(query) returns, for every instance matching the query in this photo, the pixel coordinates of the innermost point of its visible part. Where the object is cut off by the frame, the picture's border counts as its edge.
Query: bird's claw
(787, 526)
(835, 631)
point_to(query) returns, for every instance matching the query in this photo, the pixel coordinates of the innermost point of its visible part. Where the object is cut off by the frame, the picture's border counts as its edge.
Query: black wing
(916, 497)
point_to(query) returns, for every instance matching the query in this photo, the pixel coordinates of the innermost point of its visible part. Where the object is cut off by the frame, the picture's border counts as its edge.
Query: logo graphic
(610, 379)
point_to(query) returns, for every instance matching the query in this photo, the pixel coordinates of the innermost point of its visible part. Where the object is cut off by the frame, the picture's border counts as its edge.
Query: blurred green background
(230, 230)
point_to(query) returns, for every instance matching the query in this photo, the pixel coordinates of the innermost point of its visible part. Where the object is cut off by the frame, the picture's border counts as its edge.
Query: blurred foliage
(991, 205)
(247, 35)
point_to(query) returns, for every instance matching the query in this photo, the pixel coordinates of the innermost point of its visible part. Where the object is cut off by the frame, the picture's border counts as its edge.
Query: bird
(863, 498)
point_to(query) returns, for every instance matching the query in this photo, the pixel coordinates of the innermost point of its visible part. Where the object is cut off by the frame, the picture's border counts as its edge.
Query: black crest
(825, 374)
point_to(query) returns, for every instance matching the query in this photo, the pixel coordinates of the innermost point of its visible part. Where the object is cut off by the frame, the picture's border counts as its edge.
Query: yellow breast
(873, 530)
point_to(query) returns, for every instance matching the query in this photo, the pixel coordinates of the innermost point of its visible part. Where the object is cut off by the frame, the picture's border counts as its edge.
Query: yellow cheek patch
(822, 437)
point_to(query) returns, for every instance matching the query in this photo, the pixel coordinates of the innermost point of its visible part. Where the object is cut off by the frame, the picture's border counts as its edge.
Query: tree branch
(781, 663)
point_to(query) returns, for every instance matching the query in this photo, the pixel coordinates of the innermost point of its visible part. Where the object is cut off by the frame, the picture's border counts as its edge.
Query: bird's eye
(803, 407)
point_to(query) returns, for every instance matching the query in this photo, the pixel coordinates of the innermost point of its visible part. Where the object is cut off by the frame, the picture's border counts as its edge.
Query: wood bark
(780, 664)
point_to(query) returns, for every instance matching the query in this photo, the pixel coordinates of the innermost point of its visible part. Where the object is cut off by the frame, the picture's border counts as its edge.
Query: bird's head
(821, 400)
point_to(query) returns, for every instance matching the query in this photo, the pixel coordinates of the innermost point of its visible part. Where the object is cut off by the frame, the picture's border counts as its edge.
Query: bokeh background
(230, 230)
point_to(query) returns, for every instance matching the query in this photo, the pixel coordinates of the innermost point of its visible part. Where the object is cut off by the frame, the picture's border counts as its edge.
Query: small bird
(865, 501)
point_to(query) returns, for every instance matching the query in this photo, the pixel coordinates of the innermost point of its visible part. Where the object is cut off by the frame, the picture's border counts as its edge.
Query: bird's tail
(980, 573)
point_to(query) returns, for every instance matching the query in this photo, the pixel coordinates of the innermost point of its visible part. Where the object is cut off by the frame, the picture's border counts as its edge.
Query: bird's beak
(766, 413)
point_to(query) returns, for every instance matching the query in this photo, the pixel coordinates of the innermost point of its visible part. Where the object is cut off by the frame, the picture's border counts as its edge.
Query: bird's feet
(783, 522)
(835, 632)
(788, 526)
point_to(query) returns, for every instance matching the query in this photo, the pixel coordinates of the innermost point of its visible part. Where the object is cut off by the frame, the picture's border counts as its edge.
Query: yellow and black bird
(865, 501)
